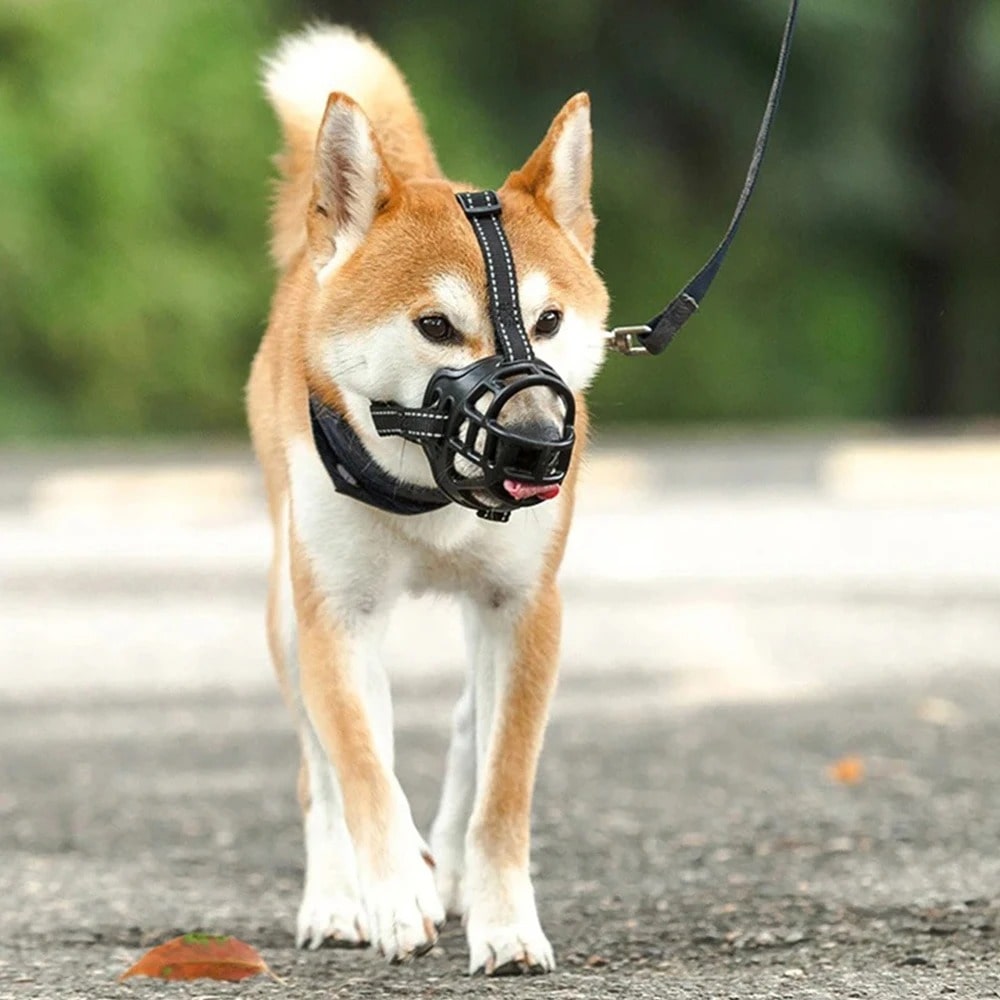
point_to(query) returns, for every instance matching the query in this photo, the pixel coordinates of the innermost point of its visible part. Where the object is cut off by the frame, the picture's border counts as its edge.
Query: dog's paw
(449, 876)
(508, 949)
(404, 910)
(337, 919)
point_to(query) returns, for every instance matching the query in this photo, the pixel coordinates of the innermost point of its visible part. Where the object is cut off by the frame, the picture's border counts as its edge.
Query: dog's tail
(298, 78)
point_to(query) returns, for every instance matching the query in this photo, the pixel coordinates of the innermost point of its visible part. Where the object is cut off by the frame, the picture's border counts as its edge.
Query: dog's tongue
(524, 491)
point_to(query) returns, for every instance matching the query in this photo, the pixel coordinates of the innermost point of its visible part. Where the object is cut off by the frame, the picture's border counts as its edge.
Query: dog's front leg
(396, 882)
(458, 793)
(516, 658)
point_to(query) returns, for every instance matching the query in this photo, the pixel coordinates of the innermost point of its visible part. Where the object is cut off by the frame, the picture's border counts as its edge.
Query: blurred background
(135, 177)
(787, 545)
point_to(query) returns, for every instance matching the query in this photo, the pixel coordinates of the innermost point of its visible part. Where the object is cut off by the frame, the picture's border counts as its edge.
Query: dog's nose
(541, 431)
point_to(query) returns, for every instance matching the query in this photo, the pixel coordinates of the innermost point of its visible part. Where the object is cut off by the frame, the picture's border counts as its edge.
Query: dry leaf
(200, 956)
(847, 771)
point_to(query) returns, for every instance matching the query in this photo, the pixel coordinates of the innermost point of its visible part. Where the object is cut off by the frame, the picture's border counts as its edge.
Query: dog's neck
(356, 473)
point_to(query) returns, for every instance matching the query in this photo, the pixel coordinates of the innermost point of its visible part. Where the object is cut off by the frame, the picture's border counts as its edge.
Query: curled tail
(298, 78)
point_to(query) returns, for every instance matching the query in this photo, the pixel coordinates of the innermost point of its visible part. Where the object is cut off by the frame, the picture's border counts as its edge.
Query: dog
(382, 283)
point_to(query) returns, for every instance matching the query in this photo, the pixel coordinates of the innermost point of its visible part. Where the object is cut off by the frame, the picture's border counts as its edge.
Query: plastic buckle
(471, 208)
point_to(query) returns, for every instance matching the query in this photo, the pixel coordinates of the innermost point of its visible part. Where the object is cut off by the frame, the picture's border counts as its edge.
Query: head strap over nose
(473, 456)
(482, 209)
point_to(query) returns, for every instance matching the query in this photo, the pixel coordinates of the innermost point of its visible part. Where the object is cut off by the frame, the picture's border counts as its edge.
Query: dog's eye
(548, 323)
(437, 329)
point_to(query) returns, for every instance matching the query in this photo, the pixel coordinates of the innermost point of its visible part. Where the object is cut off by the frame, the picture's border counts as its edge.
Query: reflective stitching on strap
(417, 414)
(518, 322)
(522, 350)
(421, 414)
(405, 432)
(397, 421)
(484, 245)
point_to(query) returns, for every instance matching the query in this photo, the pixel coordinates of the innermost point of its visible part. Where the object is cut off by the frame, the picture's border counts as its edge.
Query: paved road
(740, 614)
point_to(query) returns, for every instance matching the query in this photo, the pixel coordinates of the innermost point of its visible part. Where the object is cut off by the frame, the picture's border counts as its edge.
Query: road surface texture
(741, 614)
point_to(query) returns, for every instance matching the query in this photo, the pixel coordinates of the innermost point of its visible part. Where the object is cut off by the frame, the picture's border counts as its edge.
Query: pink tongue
(523, 491)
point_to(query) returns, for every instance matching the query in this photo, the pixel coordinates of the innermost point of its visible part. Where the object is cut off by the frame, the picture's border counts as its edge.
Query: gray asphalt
(689, 841)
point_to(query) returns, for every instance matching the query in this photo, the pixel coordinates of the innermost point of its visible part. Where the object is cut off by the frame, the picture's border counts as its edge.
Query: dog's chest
(357, 553)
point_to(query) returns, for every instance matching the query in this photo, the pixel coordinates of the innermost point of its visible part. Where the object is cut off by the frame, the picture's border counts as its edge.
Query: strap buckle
(490, 204)
(626, 340)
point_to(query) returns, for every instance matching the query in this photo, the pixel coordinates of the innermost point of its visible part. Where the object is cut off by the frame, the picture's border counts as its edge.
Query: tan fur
(415, 210)
(383, 93)
(341, 724)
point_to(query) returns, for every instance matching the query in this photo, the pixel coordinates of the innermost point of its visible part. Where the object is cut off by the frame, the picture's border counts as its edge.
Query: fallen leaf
(847, 771)
(200, 956)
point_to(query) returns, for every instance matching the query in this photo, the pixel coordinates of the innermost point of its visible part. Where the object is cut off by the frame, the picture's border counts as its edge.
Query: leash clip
(626, 340)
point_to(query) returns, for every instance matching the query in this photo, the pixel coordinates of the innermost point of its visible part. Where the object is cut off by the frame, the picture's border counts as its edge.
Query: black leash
(656, 335)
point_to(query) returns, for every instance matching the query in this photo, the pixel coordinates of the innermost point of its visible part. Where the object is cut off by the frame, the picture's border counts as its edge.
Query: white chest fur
(361, 556)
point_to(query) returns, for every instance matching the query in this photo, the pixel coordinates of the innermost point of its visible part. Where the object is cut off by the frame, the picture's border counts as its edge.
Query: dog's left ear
(558, 173)
(351, 182)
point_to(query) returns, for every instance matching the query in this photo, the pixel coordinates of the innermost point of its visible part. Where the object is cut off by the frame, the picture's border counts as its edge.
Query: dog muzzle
(479, 458)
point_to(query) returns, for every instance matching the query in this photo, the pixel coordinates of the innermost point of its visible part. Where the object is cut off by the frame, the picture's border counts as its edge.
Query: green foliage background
(134, 183)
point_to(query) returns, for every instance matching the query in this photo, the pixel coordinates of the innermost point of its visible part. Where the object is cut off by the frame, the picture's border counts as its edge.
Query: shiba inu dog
(384, 282)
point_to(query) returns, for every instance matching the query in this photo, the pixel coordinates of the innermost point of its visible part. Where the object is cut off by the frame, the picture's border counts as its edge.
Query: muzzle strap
(482, 208)
(356, 474)
(477, 460)
(398, 421)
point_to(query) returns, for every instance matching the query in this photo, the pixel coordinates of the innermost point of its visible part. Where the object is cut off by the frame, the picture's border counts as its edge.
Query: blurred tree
(932, 258)
(133, 172)
(134, 149)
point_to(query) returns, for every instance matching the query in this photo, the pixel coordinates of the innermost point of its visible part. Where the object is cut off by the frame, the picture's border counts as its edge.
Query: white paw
(505, 936)
(404, 909)
(508, 949)
(449, 876)
(339, 919)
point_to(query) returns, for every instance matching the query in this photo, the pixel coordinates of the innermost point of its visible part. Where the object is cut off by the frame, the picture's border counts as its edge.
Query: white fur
(459, 303)
(392, 362)
(307, 67)
(533, 294)
(331, 906)
(458, 791)
(361, 560)
(577, 351)
(501, 921)
(360, 576)
(569, 188)
(501, 917)
(331, 900)
(349, 178)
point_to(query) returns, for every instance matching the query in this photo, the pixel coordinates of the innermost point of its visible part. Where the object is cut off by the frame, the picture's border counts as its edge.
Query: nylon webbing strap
(664, 326)
(392, 420)
(356, 474)
(482, 208)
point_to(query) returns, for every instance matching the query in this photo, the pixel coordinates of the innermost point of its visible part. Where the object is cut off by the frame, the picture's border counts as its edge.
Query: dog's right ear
(351, 183)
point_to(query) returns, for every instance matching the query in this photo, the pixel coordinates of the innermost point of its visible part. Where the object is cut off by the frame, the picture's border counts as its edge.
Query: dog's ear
(351, 182)
(558, 173)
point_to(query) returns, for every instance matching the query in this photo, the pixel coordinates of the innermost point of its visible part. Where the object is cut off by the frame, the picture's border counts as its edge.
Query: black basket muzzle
(478, 451)
(469, 426)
